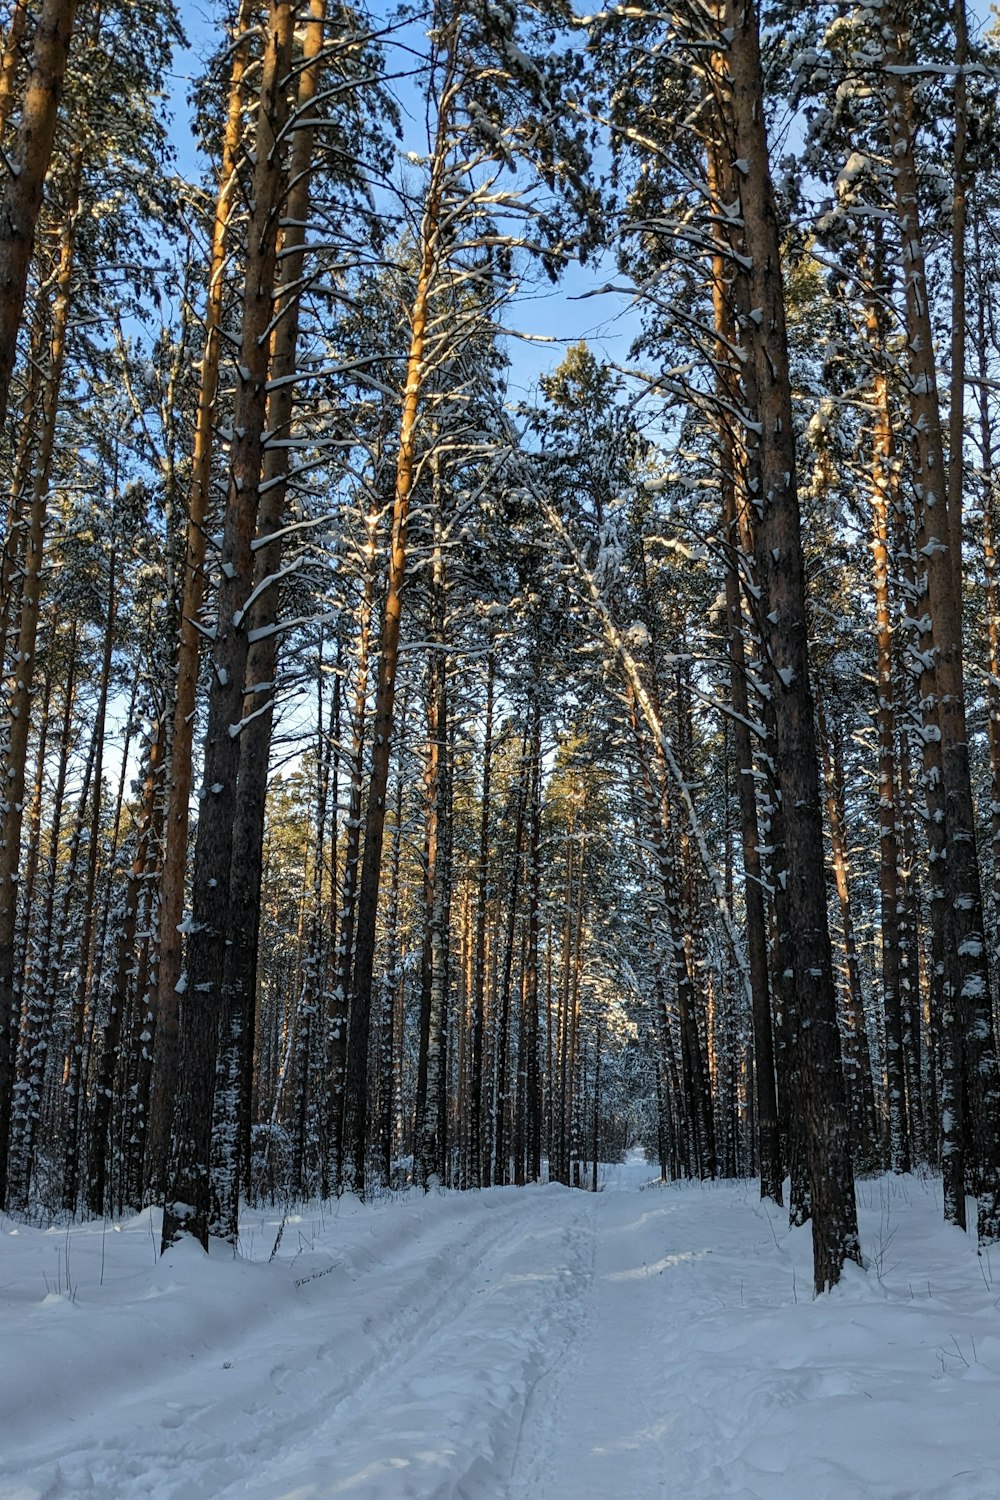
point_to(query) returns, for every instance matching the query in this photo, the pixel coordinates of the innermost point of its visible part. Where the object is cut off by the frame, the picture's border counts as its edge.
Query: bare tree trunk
(690, 922)
(307, 1156)
(441, 1017)
(574, 1066)
(560, 1130)
(915, 984)
(681, 1161)
(595, 1139)
(144, 988)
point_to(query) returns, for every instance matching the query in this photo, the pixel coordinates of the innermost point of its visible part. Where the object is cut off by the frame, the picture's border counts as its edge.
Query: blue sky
(563, 314)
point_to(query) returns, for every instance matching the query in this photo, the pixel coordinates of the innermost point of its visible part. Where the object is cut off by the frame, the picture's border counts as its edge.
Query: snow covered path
(704, 1368)
(599, 1415)
(535, 1344)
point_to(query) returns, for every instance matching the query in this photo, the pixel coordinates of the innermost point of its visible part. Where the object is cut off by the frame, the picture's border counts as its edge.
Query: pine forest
(499, 614)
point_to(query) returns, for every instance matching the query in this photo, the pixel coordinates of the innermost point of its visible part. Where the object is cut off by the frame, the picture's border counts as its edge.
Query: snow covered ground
(519, 1344)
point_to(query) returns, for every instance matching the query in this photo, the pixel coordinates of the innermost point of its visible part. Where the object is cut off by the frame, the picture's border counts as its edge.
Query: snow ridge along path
(517, 1344)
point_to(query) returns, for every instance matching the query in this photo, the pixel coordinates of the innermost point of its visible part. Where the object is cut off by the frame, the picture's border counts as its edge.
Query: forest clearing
(517, 1344)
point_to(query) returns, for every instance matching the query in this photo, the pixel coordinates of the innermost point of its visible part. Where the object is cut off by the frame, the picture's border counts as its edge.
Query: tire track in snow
(202, 1432)
(534, 1344)
(604, 1429)
(547, 1385)
(439, 1418)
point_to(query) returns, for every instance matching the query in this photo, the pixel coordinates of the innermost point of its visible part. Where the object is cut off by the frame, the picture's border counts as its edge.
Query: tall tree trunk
(104, 1089)
(189, 641)
(915, 983)
(75, 1074)
(900, 1082)
(428, 1164)
(479, 960)
(501, 1139)
(188, 1200)
(356, 1091)
(819, 1089)
(260, 619)
(22, 962)
(560, 1132)
(424, 1129)
(697, 1097)
(690, 920)
(529, 1003)
(741, 401)
(310, 1070)
(857, 1056)
(19, 691)
(595, 1140)
(723, 189)
(441, 1015)
(391, 984)
(967, 1017)
(340, 999)
(987, 452)
(574, 1064)
(682, 1160)
(39, 996)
